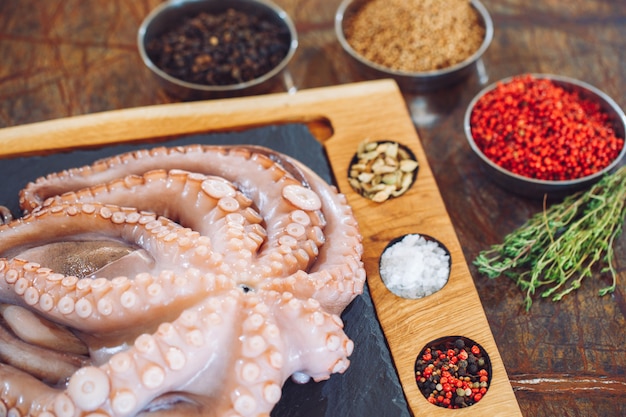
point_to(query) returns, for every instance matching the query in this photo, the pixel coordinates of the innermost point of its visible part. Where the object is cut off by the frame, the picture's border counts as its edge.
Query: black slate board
(370, 386)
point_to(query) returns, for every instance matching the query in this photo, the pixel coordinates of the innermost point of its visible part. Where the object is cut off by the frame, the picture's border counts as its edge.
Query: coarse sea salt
(415, 267)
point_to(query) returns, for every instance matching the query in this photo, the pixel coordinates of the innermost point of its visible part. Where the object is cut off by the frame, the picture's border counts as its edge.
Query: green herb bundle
(556, 249)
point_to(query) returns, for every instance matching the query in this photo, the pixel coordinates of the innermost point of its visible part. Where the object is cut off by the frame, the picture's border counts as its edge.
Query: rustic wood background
(63, 58)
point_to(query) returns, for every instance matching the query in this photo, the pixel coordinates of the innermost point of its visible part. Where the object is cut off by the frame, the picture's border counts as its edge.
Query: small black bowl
(416, 290)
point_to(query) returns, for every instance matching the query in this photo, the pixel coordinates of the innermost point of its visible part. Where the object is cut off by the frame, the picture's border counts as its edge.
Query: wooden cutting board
(340, 117)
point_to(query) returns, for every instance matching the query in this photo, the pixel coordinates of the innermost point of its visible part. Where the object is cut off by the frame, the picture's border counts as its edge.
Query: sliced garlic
(382, 170)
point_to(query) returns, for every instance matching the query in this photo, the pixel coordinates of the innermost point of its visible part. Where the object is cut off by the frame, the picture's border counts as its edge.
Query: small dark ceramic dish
(463, 363)
(404, 179)
(399, 276)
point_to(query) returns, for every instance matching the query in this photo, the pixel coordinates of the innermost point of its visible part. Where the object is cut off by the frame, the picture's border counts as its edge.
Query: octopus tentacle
(206, 204)
(21, 393)
(267, 356)
(252, 172)
(104, 303)
(184, 197)
(338, 273)
(156, 363)
(50, 366)
(213, 206)
(255, 174)
(35, 330)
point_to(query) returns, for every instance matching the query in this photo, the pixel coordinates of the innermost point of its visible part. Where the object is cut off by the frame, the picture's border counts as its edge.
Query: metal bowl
(413, 81)
(170, 14)
(536, 188)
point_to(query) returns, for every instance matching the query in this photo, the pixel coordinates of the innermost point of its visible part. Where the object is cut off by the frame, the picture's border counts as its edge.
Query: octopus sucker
(192, 280)
(5, 216)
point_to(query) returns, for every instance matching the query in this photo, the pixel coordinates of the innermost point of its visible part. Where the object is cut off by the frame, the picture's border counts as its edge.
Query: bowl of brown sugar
(199, 49)
(423, 45)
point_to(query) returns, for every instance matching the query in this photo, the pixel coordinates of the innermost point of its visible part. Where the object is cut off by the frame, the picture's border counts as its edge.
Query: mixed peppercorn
(535, 128)
(453, 374)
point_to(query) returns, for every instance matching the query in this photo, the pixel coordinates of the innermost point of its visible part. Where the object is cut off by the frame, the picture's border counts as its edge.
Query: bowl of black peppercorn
(202, 49)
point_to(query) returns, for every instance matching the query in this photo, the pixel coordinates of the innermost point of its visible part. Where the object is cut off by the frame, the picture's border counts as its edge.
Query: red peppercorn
(478, 397)
(475, 350)
(535, 128)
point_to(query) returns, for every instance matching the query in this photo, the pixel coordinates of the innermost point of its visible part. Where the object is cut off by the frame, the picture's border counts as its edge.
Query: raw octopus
(174, 281)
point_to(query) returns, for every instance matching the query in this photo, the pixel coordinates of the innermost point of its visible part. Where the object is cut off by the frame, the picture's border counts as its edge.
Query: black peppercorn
(220, 49)
(459, 343)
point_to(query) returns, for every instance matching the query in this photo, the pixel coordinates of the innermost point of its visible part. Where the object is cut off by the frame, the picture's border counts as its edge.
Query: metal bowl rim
(480, 8)
(620, 116)
(164, 8)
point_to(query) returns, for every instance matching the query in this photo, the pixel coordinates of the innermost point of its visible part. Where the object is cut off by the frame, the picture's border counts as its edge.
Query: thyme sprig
(556, 249)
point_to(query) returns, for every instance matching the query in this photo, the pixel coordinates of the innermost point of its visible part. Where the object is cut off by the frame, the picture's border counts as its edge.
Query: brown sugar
(415, 35)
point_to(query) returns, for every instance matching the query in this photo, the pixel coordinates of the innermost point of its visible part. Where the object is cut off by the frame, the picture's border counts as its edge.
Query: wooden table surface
(62, 58)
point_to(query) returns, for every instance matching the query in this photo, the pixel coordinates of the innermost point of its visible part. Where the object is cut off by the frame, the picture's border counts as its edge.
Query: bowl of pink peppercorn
(543, 134)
